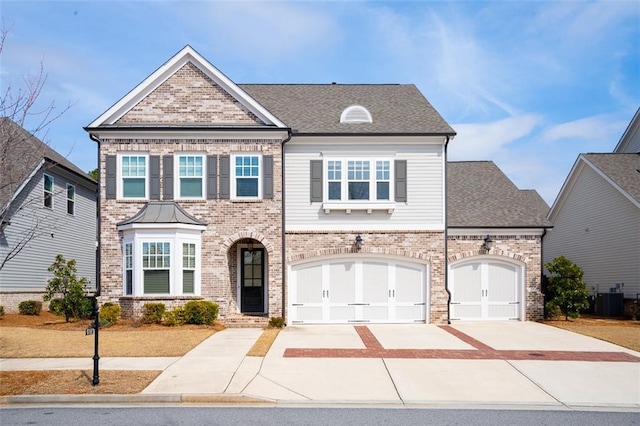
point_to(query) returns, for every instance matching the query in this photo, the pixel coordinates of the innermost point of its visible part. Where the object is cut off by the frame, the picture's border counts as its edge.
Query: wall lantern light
(488, 243)
(358, 243)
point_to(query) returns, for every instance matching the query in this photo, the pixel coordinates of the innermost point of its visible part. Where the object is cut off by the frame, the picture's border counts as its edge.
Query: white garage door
(484, 289)
(341, 291)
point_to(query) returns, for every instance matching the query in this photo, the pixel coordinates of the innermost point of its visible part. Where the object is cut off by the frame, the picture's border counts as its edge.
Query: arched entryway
(486, 288)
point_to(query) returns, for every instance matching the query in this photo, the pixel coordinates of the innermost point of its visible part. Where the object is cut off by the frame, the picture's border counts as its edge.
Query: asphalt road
(180, 415)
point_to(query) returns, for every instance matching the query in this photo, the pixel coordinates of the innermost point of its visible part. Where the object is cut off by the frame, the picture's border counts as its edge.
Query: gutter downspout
(284, 235)
(98, 228)
(446, 235)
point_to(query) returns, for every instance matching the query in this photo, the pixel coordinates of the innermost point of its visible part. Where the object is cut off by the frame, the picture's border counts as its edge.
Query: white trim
(186, 133)
(483, 232)
(370, 227)
(184, 56)
(631, 130)
(162, 226)
(521, 278)
(233, 177)
(611, 182)
(119, 177)
(176, 175)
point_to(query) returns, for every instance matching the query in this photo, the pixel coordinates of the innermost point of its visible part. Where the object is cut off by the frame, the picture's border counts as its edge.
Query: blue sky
(526, 84)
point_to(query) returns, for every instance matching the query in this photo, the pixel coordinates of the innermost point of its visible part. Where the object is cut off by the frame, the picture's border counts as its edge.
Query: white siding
(73, 236)
(598, 229)
(424, 207)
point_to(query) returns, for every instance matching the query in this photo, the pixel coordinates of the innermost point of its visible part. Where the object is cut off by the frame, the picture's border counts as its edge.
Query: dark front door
(252, 280)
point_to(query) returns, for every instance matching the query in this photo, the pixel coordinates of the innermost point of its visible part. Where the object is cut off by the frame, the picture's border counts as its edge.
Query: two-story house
(47, 207)
(318, 203)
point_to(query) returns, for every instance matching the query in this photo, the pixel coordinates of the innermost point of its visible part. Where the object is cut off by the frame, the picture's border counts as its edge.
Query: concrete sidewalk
(218, 369)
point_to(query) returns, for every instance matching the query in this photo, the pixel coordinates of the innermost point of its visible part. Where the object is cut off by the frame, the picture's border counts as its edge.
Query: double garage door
(485, 290)
(357, 290)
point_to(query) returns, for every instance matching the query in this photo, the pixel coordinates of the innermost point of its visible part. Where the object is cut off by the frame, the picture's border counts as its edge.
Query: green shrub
(1, 311)
(109, 314)
(56, 307)
(174, 317)
(569, 293)
(200, 312)
(152, 313)
(85, 309)
(30, 307)
(66, 286)
(276, 322)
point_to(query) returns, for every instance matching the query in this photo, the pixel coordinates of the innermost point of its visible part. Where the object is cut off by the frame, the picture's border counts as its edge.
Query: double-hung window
(191, 176)
(133, 172)
(128, 269)
(188, 267)
(48, 191)
(365, 180)
(71, 199)
(156, 267)
(246, 176)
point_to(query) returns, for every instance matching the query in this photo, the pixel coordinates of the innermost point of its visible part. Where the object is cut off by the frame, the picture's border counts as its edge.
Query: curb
(133, 399)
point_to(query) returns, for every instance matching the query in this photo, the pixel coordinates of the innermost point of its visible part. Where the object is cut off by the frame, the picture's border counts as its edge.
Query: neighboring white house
(596, 217)
(48, 207)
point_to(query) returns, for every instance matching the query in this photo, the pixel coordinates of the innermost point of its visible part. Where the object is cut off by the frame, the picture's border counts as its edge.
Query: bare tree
(24, 122)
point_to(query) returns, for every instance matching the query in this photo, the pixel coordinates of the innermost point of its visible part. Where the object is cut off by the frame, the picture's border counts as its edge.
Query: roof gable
(206, 94)
(630, 140)
(621, 171)
(21, 155)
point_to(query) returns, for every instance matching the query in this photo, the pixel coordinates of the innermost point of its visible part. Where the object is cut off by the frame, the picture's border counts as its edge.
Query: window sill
(246, 200)
(367, 207)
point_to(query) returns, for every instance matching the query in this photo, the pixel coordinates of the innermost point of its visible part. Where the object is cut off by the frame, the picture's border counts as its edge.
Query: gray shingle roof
(481, 195)
(162, 212)
(623, 169)
(316, 108)
(21, 153)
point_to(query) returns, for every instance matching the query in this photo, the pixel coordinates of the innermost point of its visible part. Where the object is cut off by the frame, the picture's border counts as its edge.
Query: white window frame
(373, 181)
(188, 257)
(178, 178)
(47, 192)
(120, 177)
(175, 237)
(128, 266)
(234, 177)
(72, 200)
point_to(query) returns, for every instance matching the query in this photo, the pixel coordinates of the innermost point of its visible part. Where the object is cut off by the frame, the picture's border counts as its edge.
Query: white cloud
(595, 128)
(483, 141)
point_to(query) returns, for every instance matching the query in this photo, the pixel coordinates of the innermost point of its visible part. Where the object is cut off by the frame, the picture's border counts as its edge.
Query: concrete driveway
(473, 363)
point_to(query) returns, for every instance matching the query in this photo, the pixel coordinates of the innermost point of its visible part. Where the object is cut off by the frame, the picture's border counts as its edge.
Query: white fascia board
(566, 188)
(385, 140)
(186, 133)
(355, 226)
(483, 232)
(632, 129)
(148, 85)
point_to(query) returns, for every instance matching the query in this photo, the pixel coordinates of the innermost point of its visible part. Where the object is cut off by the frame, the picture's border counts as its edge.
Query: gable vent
(356, 114)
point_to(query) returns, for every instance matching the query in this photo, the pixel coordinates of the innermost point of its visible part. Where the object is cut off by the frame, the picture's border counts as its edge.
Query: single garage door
(485, 290)
(362, 290)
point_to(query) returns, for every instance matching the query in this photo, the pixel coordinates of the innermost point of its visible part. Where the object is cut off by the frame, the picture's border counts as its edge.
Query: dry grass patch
(67, 382)
(624, 333)
(264, 342)
(46, 336)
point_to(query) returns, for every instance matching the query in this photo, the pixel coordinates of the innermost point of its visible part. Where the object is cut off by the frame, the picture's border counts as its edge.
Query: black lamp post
(96, 327)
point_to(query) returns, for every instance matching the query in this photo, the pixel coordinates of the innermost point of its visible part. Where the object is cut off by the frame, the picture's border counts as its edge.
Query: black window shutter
(212, 174)
(316, 181)
(154, 175)
(267, 174)
(111, 177)
(225, 177)
(401, 180)
(167, 177)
